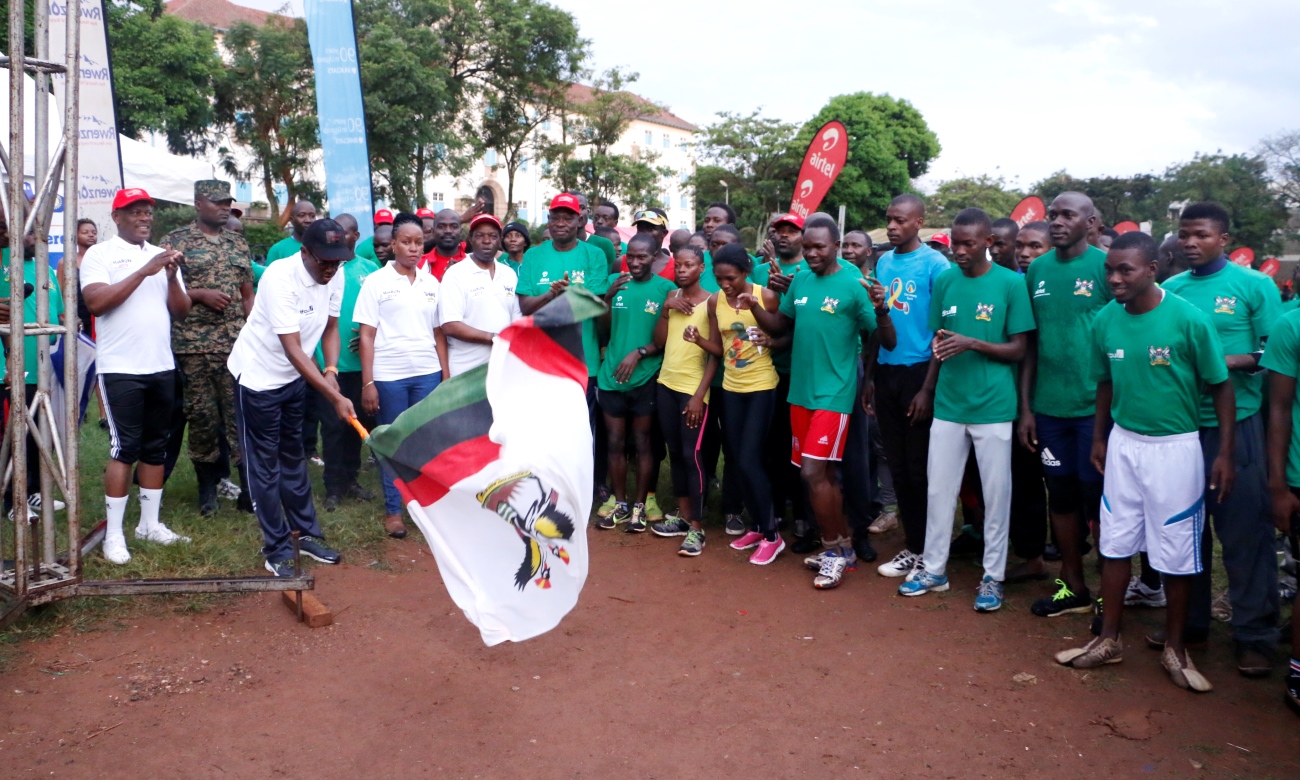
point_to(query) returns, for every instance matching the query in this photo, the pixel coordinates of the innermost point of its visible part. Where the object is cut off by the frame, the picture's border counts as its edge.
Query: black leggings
(744, 429)
(683, 445)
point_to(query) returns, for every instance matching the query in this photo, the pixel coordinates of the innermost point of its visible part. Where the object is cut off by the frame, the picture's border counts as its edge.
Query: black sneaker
(1051, 553)
(806, 544)
(637, 524)
(316, 548)
(609, 522)
(282, 568)
(359, 493)
(332, 503)
(862, 546)
(1292, 686)
(1063, 602)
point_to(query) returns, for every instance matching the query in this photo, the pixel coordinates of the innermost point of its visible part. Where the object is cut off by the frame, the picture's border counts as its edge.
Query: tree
(758, 158)
(982, 192)
(1117, 198)
(1281, 153)
(889, 145)
(165, 74)
(269, 98)
(1241, 185)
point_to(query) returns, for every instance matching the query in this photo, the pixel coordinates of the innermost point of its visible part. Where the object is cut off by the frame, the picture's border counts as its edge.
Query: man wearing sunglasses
(297, 307)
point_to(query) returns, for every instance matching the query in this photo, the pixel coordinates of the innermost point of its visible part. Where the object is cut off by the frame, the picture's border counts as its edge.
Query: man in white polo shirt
(478, 298)
(296, 307)
(134, 306)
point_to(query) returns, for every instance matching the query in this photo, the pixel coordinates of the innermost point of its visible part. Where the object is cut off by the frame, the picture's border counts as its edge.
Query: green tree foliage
(165, 74)
(269, 99)
(756, 156)
(889, 145)
(1240, 184)
(1117, 198)
(983, 192)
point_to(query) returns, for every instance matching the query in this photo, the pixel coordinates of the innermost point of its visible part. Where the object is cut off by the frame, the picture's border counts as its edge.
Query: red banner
(1270, 266)
(1244, 256)
(1030, 209)
(1127, 226)
(821, 165)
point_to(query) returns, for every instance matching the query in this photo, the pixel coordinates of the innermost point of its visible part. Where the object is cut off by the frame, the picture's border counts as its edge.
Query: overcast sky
(1011, 87)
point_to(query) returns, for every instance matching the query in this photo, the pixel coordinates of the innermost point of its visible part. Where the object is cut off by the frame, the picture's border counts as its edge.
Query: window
(522, 212)
(546, 124)
(523, 164)
(649, 138)
(491, 157)
(244, 191)
(438, 196)
(684, 201)
(437, 201)
(685, 177)
(546, 167)
(668, 142)
(281, 194)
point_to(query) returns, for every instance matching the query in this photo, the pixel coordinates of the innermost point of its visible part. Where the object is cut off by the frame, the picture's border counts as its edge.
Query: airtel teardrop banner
(1270, 266)
(1244, 256)
(1127, 226)
(1030, 209)
(821, 165)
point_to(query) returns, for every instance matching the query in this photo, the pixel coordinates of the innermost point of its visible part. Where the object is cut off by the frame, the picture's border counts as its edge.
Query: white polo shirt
(288, 301)
(403, 314)
(481, 299)
(136, 337)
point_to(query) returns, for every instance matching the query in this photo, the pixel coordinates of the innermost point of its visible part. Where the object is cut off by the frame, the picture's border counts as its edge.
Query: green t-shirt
(286, 247)
(829, 312)
(1158, 364)
(606, 246)
(31, 364)
(504, 259)
(1066, 296)
(1282, 355)
(1243, 304)
(973, 388)
(355, 272)
(585, 265)
(1290, 305)
(632, 317)
(366, 249)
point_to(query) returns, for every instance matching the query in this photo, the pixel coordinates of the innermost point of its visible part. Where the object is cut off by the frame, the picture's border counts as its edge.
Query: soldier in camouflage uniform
(219, 278)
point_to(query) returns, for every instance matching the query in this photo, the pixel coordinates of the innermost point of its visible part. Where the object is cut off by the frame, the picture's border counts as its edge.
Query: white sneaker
(886, 521)
(227, 490)
(115, 550)
(317, 460)
(1139, 595)
(159, 534)
(34, 501)
(901, 565)
(31, 514)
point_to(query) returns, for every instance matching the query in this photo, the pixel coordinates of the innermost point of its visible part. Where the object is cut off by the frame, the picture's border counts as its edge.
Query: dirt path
(668, 668)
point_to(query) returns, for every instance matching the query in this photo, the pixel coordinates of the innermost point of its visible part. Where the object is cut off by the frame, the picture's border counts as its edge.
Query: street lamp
(727, 196)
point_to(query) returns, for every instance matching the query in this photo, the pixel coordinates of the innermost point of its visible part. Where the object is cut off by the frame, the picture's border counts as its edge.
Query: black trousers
(855, 472)
(787, 485)
(748, 418)
(907, 446)
(1028, 532)
(270, 431)
(340, 443)
(683, 445)
(310, 421)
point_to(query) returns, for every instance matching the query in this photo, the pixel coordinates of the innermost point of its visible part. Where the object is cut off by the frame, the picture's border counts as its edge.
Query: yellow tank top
(746, 368)
(684, 362)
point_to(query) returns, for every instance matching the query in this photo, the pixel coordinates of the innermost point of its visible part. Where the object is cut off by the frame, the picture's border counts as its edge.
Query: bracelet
(329, 369)
(367, 384)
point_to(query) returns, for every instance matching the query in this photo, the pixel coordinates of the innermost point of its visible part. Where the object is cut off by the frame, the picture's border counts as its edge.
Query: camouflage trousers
(209, 406)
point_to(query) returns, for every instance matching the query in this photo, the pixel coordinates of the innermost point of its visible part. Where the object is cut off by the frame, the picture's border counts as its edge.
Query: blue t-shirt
(909, 280)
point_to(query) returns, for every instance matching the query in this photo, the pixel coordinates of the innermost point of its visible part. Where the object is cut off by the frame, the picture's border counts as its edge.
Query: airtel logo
(806, 188)
(830, 138)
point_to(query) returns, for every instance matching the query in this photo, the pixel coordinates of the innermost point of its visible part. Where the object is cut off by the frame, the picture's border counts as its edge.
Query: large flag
(495, 467)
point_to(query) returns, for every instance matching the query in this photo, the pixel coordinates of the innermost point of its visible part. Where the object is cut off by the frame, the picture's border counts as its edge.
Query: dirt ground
(667, 668)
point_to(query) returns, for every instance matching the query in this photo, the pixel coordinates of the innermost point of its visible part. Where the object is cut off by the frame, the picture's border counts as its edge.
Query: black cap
(324, 238)
(520, 228)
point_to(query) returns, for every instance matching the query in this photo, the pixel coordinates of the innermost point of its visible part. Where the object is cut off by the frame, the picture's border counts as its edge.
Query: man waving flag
(500, 488)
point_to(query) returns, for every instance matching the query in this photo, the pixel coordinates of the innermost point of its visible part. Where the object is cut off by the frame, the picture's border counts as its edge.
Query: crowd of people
(1064, 386)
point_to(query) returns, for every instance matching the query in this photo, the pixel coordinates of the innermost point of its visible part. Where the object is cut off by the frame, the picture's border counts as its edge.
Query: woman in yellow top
(749, 392)
(682, 396)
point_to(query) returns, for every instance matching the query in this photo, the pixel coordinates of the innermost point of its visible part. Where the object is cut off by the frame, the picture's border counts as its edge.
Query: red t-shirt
(437, 265)
(669, 271)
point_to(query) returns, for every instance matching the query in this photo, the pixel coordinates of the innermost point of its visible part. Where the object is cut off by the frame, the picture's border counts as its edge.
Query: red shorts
(817, 433)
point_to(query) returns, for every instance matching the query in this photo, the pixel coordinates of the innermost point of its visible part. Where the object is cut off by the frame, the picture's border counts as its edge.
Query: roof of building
(217, 14)
(581, 93)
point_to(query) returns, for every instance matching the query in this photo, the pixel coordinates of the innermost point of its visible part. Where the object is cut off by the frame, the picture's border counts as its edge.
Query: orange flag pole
(361, 429)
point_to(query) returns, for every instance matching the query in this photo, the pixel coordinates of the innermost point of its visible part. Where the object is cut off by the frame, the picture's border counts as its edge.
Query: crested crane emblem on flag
(531, 508)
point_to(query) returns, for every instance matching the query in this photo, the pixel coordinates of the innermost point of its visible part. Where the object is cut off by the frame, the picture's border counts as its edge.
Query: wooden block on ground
(314, 613)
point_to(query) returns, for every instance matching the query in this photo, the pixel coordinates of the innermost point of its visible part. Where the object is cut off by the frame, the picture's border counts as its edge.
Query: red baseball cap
(125, 198)
(481, 218)
(940, 238)
(426, 213)
(566, 201)
(790, 219)
(383, 217)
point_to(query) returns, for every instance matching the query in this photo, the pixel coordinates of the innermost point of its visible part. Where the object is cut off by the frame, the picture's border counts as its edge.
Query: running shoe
(1063, 602)
(1098, 652)
(607, 508)
(862, 546)
(831, 572)
(619, 514)
(652, 511)
(735, 525)
(316, 459)
(228, 490)
(1292, 686)
(814, 562)
(693, 544)
(637, 523)
(1184, 674)
(671, 527)
(1221, 609)
(282, 568)
(315, 548)
(34, 501)
(1139, 595)
(749, 541)
(767, 551)
(115, 550)
(923, 583)
(900, 565)
(159, 534)
(885, 521)
(988, 598)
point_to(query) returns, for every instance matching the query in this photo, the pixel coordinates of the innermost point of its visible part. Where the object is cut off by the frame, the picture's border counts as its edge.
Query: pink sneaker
(767, 551)
(747, 542)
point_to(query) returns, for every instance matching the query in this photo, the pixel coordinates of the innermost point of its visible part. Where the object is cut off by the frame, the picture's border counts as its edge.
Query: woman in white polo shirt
(478, 298)
(403, 352)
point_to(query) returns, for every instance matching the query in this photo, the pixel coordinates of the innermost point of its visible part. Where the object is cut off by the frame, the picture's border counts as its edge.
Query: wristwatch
(642, 351)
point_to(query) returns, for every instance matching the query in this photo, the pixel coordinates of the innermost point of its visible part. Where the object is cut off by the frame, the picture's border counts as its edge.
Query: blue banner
(340, 110)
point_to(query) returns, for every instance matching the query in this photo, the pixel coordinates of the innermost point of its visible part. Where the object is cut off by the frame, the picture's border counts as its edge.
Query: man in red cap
(134, 306)
(366, 247)
(478, 298)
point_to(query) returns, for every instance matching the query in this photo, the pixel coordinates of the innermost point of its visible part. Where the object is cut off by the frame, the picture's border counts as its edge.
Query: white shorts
(1154, 500)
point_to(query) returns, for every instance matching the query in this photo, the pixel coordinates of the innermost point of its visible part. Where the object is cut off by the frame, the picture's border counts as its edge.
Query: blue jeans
(396, 397)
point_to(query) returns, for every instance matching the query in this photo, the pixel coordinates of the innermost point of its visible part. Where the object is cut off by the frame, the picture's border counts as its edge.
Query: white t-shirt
(136, 337)
(403, 314)
(479, 299)
(288, 301)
